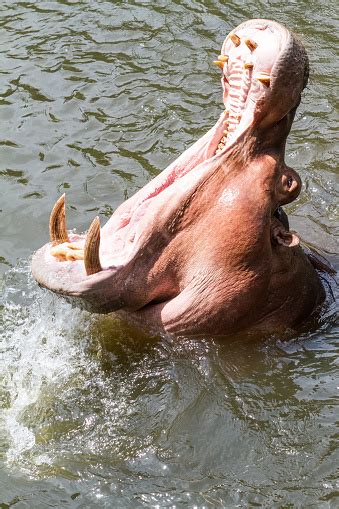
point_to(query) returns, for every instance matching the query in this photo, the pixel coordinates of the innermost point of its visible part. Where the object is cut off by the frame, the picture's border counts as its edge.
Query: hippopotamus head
(205, 246)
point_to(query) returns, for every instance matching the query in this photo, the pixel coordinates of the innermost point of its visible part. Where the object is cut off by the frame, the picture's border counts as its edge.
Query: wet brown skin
(211, 255)
(238, 268)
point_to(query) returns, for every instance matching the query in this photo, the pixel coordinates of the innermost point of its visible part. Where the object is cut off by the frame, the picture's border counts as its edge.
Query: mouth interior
(247, 58)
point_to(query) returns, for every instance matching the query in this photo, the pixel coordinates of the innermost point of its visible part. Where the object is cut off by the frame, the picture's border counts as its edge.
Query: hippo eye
(289, 182)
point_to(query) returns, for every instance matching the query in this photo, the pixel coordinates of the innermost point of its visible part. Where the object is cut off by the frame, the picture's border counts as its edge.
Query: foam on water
(37, 350)
(67, 396)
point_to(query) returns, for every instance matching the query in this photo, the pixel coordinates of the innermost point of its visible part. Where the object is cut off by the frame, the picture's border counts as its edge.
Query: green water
(95, 99)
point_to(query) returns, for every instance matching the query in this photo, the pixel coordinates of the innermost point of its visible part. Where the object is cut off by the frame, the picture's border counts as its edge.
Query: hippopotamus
(205, 247)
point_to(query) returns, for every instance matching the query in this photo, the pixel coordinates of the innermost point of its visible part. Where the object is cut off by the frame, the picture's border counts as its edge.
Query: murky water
(95, 99)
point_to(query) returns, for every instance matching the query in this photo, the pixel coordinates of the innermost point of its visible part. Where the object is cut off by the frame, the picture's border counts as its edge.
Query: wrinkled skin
(205, 247)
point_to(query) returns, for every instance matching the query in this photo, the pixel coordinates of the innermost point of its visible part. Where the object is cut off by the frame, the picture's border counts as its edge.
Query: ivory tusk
(91, 249)
(57, 222)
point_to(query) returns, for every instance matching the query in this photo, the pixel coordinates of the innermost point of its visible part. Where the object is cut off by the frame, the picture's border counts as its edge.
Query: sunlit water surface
(95, 99)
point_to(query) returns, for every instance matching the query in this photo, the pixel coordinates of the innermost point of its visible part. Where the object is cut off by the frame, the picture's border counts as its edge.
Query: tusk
(251, 44)
(235, 39)
(264, 78)
(91, 249)
(223, 58)
(219, 64)
(57, 222)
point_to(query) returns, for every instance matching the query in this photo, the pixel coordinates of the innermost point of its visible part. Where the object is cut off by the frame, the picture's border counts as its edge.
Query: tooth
(75, 255)
(57, 222)
(58, 251)
(251, 44)
(223, 58)
(235, 39)
(219, 64)
(264, 78)
(91, 249)
(248, 65)
(74, 246)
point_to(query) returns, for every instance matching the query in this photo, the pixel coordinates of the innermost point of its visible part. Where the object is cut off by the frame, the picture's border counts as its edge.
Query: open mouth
(247, 58)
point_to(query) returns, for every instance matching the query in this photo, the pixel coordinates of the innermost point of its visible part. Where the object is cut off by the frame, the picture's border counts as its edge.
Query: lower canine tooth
(91, 250)
(57, 222)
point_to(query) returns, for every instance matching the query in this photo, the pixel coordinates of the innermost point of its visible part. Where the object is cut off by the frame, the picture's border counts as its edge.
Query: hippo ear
(285, 238)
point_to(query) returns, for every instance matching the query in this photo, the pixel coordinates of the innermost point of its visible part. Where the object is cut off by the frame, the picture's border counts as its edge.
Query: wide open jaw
(256, 70)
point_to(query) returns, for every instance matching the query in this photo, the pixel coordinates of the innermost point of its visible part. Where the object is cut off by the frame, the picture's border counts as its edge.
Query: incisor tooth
(235, 39)
(251, 44)
(78, 254)
(223, 58)
(248, 65)
(58, 251)
(67, 251)
(219, 64)
(91, 249)
(57, 222)
(264, 78)
(71, 245)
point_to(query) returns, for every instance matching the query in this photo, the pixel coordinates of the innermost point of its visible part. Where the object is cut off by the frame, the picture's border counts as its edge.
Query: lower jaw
(219, 144)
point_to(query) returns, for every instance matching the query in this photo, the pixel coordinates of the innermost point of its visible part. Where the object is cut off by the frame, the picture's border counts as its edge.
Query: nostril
(289, 182)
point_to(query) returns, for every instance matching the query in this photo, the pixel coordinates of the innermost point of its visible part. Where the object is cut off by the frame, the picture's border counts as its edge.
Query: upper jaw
(264, 69)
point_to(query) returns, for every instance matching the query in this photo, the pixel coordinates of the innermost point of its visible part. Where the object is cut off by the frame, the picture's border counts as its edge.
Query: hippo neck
(256, 145)
(272, 138)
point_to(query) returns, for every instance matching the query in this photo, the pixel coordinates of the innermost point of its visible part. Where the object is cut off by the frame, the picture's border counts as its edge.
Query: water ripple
(97, 98)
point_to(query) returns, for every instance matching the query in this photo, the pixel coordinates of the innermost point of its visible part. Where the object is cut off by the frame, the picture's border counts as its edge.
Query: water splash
(36, 346)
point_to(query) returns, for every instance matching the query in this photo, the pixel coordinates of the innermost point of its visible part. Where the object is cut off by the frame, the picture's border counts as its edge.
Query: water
(95, 99)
